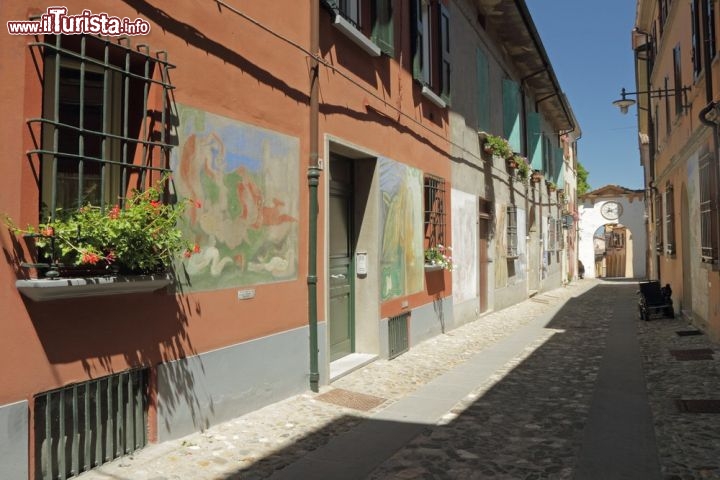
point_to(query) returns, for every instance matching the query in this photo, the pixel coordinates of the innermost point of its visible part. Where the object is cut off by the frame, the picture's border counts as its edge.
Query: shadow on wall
(114, 333)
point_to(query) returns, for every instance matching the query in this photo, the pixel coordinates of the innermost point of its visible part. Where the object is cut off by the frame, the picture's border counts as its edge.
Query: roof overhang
(511, 24)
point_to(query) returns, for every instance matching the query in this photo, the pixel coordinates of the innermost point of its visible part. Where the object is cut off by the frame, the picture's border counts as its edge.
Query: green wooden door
(342, 308)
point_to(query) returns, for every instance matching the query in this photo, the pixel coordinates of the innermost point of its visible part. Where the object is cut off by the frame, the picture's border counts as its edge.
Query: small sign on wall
(246, 294)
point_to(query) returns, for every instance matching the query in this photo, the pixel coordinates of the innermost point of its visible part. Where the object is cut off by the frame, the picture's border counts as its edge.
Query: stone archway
(613, 247)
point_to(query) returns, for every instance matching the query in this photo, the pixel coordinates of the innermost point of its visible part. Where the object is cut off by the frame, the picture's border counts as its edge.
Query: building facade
(324, 148)
(675, 47)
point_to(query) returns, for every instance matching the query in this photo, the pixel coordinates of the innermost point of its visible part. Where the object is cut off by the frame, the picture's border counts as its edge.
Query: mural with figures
(245, 181)
(402, 255)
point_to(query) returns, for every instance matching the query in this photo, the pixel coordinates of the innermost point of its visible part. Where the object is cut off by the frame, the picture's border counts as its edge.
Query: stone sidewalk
(525, 421)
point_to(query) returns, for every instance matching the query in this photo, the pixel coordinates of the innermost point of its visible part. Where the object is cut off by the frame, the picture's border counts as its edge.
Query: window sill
(356, 36)
(41, 290)
(433, 97)
(432, 268)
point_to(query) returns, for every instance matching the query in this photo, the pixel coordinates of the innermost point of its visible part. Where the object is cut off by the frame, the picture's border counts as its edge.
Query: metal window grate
(512, 239)
(82, 426)
(658, 223)
(434, 210)
(670, 219)
(105, 122)
(398, 335)
(709, 250)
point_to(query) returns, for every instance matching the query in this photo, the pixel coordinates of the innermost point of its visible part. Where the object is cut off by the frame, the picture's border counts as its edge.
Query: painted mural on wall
(402, 254)
(465, 246)
(245, 180)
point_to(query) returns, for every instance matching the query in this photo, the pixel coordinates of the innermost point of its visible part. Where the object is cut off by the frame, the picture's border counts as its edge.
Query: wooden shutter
(511, 113)
(382, 32)
(444, 31)
(416, 36)
(534, 141)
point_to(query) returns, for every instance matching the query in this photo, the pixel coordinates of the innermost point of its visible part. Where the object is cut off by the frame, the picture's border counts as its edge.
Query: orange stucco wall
(229, 67)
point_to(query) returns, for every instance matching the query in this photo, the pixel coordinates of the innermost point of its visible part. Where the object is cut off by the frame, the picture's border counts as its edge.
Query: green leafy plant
(551, 186)
(498, 146)
(140, 237)
(523, 167)
(440, 256)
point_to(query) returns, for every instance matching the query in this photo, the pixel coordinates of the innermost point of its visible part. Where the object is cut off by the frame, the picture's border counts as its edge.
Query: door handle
(337, 276)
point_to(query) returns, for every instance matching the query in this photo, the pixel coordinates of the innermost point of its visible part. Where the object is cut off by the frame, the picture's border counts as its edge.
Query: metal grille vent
(398, 335)
(82, 426)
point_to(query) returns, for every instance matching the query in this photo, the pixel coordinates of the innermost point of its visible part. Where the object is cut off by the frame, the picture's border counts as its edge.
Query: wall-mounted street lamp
(624, 103)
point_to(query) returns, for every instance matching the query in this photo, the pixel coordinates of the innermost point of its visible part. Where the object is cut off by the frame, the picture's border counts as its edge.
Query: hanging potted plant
(551, 186)
(536, 176)
(497, 146)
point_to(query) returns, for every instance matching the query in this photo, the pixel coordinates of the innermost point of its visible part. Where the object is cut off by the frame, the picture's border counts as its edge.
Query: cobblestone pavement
(688, 443)
(524, 423)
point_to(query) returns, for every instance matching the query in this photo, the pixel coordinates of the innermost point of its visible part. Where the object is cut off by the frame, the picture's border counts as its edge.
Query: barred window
(709, 241)
(559, 235)
(435, 210)
(552, 235)
(105, 121)
(512, 234)
(658, 223)
(669, 220)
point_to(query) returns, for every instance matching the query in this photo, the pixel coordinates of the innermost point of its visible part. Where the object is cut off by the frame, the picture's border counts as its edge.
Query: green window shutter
(511, 113)
(444, 30)
(561, 175)
(558, 164)
(534, 141)
(483, 91)
(546, 154)
(382, 32)
(416, 37)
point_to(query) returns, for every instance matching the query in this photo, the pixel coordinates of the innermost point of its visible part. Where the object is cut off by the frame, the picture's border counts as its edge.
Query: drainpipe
(313, 175)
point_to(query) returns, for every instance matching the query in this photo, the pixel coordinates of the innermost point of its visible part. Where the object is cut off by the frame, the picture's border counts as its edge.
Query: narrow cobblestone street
(542, 414)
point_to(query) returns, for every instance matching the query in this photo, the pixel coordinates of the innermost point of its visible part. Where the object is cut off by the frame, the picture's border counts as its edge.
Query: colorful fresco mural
(245, 181)
(402, 254)
(465, 246)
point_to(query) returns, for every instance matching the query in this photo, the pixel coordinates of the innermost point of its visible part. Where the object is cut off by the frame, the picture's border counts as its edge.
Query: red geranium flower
(114, 212)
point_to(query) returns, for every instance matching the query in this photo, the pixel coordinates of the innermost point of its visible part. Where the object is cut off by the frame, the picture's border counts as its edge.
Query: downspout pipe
(313, 176)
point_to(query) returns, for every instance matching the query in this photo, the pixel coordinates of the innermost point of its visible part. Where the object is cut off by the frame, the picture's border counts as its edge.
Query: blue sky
(589, 47)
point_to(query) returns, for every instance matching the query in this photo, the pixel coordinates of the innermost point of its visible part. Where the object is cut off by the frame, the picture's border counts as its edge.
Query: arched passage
(613, 247)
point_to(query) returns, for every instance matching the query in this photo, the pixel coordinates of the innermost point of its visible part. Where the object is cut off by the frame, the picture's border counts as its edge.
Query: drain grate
(692, 354)
(698, 406)
(349, 399)
(688, 333)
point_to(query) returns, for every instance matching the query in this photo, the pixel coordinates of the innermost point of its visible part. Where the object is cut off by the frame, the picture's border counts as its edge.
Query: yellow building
(677, 82)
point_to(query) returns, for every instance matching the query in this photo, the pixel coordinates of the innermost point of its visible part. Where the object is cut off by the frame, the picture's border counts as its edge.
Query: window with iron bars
(512, 233)
(552, 235)
(658, 223)
(435, 214)
(105, 122)
(669, 220)
(708, 214)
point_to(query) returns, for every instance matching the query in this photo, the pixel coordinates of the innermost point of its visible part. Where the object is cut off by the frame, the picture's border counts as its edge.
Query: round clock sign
(611, 210)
